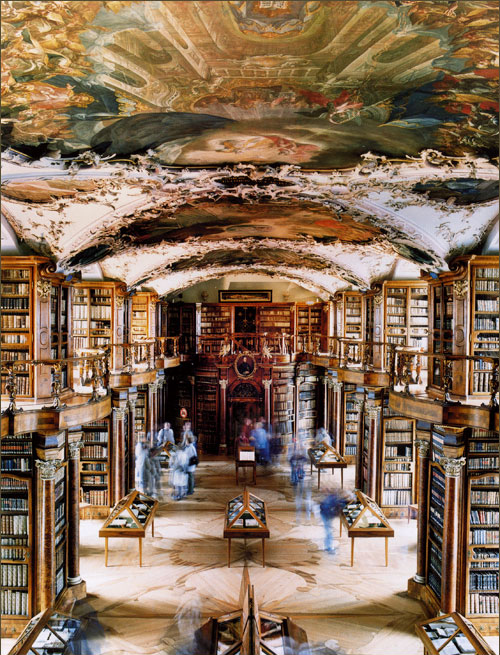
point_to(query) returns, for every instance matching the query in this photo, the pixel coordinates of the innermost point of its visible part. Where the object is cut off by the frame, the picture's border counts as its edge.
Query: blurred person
(165, 435)
(260, 441)
(142, 467)
(297, 458)
(322, 436)
(192, 463)
(155, 473)
(330, 507)
(186, 433)
(179, 463)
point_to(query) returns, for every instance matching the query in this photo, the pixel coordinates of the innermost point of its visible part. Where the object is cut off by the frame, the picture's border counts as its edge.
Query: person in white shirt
(322, 436)
(165, 435)
(192, 458)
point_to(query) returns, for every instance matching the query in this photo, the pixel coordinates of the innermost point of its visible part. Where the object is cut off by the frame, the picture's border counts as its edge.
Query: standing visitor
(192, 463)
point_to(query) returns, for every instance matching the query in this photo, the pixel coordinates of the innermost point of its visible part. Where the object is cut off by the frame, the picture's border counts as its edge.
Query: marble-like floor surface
(154, 609)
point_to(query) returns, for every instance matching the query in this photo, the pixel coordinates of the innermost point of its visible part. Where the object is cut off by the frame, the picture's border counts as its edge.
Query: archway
(246, 400)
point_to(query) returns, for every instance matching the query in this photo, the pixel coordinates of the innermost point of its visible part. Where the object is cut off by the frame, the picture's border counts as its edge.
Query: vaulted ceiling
(322, 142)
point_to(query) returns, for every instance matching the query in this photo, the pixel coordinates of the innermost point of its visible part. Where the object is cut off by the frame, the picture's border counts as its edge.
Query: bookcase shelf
(484, 325)
(406, 314)
(94, 467)
(352, 421)
(283, 390)
(206, 424)
(353, 316)
(307, 405)
(139, 323)
(398, 469)
(435, 525)
(141, 409)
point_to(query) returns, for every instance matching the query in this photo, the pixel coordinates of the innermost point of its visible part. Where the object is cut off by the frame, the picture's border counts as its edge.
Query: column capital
(74, 449)
(423, 447)
(373, 413)
(223, 384)
(160, 383)
(132, 404)
(267, 383)
(337, 386)
(452, 466)
(48, 468)
(324, 379)
(119, 413)
(358, 404)
(153, 386)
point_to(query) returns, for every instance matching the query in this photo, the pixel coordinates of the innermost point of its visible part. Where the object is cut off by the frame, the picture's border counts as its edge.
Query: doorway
(245, 401)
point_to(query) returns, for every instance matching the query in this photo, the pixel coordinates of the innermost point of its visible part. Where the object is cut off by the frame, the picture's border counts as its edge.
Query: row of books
(483, 603)
(397, 480)
(14, 524)
(89, 452)
(15, 303)
(397, 424)
(10, 447)
(487, 272)
(396, 497)
(480, 323)
(102, 312)
(398, 437)
(436, 518)
(9, 504)
(483, 447)
(59, 513)
(14, 575)
(482, 365)
(15, 273)
(481, 382)
(97, 436)
(93, 479)
(486, 305)
(22, 464)
(59, 581)
(487, 581)
(483, 517)
(13, 554)
(12, 355)
(418, 320)
(10, 321)
(23, 385)
(14, 603)
(483, 537)
(19, 289)
(483, 497)
(476, 463)
(95, 496)
(398, 466)
(98, 341)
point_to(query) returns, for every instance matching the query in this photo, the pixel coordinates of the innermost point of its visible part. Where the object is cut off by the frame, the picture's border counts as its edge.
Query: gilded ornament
(423, 447)
(43, 289)
(460, 288)
(48, 468)
(452, 465)
(119, 301)
(378, 299)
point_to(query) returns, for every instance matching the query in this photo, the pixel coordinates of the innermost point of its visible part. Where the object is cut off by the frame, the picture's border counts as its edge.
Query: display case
(245, 458)
(363, 518)
(246, 518)
(451, 634)
(324, 457)
(130, 518)
(51, 633)
(95, 469)
(398, 467)
(249, 630)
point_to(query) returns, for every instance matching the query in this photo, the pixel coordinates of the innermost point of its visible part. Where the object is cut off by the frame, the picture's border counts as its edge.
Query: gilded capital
(373, 413)
(452, 466)
(153, 386)
(74, 449)
(267, 383)
(337, 386)
(223, 384)
(48, 468)
(119, 413)
(378, 299)
(43, 289)
(119, 301)
(423, 447)
(460, 288)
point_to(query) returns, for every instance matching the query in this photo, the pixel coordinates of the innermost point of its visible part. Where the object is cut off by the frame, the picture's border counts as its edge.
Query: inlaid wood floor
(185, 579)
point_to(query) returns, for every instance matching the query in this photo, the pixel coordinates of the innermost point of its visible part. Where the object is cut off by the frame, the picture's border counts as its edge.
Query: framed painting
(266, 295)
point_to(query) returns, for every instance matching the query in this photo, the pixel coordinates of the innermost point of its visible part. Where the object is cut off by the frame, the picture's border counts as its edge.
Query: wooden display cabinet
(463, 320)
(406, 312)
(325, 457)
(130, 518)
(245, 458)
(451, 634)
(246, 518)
(50, 632)
(34, 323)
(364, 518)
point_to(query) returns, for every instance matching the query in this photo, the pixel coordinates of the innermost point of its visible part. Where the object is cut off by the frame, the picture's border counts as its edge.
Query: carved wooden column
(452, 469)
(46, 525)
(423, 447)
(222, 416)
(373, 415)
(151, 420)
(337, 413)
(118, 456)
(324, 379)
(161, 402)
(359, 405)
(267, 400)
(73, 508)
(132, 400)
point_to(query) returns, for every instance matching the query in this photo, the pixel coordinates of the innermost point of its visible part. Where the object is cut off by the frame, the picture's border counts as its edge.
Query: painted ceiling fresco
(209, 83)
(321, 141)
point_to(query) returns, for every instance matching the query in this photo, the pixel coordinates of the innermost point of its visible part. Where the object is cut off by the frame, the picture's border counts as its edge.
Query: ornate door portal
(246, 400)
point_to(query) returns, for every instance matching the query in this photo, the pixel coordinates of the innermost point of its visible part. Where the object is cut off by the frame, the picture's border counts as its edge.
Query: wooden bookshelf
(206, 423)
(398, 465)
(139, 322)
(484, 323)
(141, 414)
(352, 417)
(406, 314)
(283, 402)
(435, 526)
(61, 530)
(352, 315)
(95, 469)
(311, 323)
(307, 410)
(276, 318)
(215, 319)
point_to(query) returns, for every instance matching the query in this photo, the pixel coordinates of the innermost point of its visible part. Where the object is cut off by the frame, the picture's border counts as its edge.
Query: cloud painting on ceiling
(309, 83)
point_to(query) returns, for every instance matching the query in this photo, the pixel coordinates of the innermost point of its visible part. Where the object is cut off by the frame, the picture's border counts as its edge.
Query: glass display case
(451, 634)
(130, 517)
(50, 633)
(327, 457)
(246, 518)
(363, 518)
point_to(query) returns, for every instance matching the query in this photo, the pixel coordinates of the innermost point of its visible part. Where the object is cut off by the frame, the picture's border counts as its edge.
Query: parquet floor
(184, 579)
